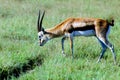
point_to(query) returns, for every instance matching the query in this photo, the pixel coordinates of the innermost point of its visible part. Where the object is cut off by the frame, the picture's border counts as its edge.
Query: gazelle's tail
(110, 22)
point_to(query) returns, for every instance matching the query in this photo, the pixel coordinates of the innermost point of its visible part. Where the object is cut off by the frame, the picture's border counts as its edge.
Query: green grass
(18, 39)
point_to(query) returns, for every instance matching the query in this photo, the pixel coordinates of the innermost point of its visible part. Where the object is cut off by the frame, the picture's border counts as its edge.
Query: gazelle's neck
(54, 32)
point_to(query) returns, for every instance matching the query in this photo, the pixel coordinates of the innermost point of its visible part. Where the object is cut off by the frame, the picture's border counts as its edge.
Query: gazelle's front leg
(62, 43)
(71, 45)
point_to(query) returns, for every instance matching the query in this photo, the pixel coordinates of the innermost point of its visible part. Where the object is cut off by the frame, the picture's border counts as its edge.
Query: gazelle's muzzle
(42, 42)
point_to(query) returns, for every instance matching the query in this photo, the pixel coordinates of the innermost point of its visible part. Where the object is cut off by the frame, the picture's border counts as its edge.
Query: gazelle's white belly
(84, 33)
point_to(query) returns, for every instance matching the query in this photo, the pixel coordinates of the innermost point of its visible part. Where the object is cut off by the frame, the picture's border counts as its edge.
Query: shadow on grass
(21, 68)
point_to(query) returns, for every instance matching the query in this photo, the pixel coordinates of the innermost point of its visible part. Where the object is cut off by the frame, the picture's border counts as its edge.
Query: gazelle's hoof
(64, 55)
(98, 61)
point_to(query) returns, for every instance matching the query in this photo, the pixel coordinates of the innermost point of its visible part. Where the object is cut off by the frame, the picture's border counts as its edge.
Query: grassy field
(19, 41)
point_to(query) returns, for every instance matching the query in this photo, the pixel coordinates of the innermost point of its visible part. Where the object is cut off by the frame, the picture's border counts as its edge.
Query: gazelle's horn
(38, 24)
(41, 28)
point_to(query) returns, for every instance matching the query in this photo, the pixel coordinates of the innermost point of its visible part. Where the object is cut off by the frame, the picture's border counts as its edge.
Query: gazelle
(72, 27)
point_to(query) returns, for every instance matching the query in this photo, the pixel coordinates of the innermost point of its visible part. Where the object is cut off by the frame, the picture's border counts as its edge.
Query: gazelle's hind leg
(104, 47)
(106, 43)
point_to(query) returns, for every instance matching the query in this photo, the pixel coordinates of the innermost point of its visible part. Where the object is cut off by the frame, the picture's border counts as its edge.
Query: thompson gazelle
(72, 27)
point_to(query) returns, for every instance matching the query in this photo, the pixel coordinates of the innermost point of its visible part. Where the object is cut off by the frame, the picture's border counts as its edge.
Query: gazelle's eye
(39, 37)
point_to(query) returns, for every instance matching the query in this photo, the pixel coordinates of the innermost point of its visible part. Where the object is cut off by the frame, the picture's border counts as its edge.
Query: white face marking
(42, 37)
(84, 33)
(40, 33)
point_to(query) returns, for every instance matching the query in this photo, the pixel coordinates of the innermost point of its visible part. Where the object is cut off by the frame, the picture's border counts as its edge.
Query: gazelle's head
(42, 34)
